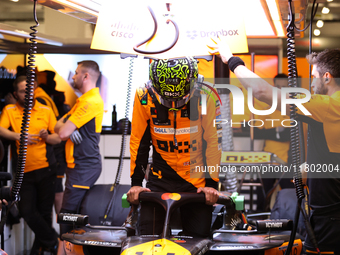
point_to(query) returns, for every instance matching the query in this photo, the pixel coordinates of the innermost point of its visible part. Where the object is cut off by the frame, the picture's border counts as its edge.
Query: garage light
(325, 10)
(319, 23)
(317, 32)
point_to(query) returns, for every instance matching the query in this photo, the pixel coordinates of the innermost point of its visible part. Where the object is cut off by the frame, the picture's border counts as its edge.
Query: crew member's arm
(64, 128)
(61, 122)
(13, 136)
(139, 150)
(5, 124)
(212, 135)
(261, 89)
(49, 135)
(49, 138)
(81, 113)
(9, 135)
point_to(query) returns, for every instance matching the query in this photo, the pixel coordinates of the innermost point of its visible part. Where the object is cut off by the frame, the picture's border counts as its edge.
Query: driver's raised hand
(133, 194)
(211, 195)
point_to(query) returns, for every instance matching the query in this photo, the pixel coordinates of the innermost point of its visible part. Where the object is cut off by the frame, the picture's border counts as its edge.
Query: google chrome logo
(173, 196)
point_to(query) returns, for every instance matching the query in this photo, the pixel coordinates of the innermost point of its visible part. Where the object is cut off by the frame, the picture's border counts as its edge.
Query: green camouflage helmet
(173, 78)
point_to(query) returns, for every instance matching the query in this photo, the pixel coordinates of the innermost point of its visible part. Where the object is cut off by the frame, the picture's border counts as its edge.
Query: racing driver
(170, 115)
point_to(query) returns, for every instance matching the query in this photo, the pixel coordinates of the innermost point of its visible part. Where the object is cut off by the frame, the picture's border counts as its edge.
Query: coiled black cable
(153, 34)
(27, 109)
(294, 131)
(28, 105)
(125, 123)
(125, 127)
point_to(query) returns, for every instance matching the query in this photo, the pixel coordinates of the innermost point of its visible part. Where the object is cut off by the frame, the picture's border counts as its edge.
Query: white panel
(112, 145)
(241, 143)
(101, 147)
(19, 239)
(109, 171)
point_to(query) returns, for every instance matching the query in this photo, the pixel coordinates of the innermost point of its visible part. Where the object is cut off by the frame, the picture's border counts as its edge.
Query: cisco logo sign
(125, 30)
(193, 34)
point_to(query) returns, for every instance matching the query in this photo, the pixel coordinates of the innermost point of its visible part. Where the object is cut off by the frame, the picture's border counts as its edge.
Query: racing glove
(76, 137)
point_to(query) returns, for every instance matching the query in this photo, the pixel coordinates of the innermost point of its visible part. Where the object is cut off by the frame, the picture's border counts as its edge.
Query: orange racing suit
(186, 154)
(182, 146)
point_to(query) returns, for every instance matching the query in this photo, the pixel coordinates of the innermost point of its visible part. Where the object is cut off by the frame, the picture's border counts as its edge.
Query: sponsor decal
(172, 196)
(179, 131)
(100, 243)
(155, 122)
(70, 218)
(123, 30)
(203, 34)
(218, 111)
(273, 224)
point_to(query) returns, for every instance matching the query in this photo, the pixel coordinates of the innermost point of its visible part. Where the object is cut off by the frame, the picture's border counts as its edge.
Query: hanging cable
(292, 82)
(27, 109)
(294, 130)
(125, 123)
(125, 128)
(28, 105)
(310, 47)
(313, 13)
(154, 33)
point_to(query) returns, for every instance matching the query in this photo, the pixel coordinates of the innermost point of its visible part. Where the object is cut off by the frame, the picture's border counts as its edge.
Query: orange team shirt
(87, 114)
(42, 117)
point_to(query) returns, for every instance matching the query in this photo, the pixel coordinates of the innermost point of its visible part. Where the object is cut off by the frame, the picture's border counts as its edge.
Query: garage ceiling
(18, 16)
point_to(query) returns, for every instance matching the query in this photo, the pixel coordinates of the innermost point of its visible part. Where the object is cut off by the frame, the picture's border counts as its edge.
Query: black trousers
(326, 226)
(35, 206)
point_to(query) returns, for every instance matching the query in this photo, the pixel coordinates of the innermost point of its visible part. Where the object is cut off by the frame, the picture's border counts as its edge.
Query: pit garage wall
(110, 145)
(19, 238)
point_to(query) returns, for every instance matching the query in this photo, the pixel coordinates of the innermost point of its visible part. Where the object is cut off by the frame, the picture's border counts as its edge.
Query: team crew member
(81, 127)
(45, 99)
(42, 97)
(38, 187)
(183, 141)
(59, 150)
(323, 141)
